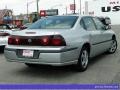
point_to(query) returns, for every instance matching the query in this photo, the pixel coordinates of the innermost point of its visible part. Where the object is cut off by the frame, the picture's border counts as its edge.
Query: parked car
(25, 26)
(5, 31)
(61, 40)
(13, 26)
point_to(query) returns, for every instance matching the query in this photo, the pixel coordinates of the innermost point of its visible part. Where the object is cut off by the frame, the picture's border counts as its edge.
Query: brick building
(6, 16)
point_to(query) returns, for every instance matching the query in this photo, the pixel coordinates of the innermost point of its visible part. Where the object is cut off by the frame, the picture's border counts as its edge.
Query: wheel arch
(113, 37)
(88, 46)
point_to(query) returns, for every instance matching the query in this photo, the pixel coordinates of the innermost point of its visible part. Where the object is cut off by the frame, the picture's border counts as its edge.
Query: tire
(83, 60)
(113, 47)
(2, 49)
(30, 65)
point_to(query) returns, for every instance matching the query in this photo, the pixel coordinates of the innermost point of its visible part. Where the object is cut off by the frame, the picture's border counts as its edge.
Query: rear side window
(98, 23)
(55, 22)
(89, 24)
(82, 24)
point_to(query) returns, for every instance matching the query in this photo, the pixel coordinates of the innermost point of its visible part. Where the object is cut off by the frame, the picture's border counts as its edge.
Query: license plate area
(28, 53)
(25, 53)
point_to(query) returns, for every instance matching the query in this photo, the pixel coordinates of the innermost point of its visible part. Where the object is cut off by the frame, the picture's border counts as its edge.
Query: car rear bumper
(49, 56)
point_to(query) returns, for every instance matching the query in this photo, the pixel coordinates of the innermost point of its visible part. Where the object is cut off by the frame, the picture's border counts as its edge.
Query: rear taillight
(10, 40)
(55, 40)
(52, 40)
(58, 41)
(45, 40)
(17, 41)
(13, 40)
(4, 34)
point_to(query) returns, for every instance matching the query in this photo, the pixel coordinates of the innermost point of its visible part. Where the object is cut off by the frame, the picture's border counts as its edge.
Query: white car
(61, 40)
(5, 31)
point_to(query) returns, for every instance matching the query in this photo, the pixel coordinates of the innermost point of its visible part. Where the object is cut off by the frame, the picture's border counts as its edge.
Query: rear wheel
(83, 59)
(113, 47)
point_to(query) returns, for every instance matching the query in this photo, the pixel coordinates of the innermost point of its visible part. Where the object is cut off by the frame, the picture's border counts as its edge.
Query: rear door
(95, 37)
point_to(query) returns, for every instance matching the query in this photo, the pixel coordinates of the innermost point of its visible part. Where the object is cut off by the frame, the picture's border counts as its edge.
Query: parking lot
(102, 69)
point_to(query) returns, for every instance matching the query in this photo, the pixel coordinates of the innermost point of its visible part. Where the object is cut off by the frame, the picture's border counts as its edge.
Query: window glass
(82, 23)
(55, 22)
(3, 27)
(89, 24)
(98, 23)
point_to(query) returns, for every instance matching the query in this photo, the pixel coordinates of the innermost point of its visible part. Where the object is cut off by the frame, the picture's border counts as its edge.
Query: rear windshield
(55, 22)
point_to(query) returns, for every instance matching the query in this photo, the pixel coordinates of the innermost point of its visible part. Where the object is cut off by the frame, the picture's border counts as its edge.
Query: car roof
(73, 15)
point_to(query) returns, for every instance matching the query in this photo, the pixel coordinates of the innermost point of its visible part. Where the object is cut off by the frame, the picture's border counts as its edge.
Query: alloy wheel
(84, 59)
(113, 46)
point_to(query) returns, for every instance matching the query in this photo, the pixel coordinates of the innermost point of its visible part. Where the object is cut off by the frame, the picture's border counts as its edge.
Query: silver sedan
(61, 40)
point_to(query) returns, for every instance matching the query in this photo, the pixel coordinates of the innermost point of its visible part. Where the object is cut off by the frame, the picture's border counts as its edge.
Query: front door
(106, 37)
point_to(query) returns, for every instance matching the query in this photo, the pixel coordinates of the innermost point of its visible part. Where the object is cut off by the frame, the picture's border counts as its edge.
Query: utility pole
(5, 6)
(80, 7)
(28, 3)
(74, 7)
(66, 9)
(37, 8)
(27, 10)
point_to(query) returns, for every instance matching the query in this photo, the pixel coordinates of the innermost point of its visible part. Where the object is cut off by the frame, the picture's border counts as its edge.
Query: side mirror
(107, 20)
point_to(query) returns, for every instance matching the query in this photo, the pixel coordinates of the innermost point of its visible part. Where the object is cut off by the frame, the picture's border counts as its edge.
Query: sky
(20, 6)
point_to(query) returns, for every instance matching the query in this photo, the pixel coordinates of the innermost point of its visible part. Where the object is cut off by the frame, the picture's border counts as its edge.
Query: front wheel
(83, 60)
(113, 47)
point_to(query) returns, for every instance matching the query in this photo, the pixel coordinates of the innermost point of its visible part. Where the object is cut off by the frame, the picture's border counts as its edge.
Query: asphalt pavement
(102, 69)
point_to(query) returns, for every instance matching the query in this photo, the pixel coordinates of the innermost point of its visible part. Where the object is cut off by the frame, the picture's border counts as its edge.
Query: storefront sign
(110, 9)
(72, 7)
(113, 6)
(50, 12)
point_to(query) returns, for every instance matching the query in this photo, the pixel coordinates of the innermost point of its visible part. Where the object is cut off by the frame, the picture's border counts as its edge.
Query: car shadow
(100, 57)
(97, 59)
(45, 71)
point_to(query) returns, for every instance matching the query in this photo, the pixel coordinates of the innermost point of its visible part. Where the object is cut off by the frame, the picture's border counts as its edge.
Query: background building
(6, 16)
(110, 8)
